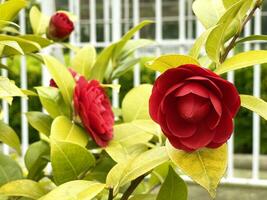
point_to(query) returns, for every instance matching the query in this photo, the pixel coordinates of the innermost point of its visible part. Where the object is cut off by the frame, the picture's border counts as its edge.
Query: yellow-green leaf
(205, 166)
(242, 60)
(166, 62)
(63, 129)
(39, 21)
(62, 77)
(135, 103)
(254, 104)
(84, 60)
(80, 190)
(23, 188)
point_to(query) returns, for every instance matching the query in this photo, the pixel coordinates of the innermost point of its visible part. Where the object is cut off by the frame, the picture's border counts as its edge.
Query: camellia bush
(178, 126)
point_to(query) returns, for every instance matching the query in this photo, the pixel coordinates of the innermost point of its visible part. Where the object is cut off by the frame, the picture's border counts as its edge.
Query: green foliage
(205, 166)
(173, 188)
(39, 21)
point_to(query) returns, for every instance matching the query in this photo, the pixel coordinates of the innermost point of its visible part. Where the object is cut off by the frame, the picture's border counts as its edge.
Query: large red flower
(194, 107)
(94, 109)
(60, 27)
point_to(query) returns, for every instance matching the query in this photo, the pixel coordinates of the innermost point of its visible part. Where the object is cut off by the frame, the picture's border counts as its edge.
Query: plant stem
(110, 194)
(132, 187)
(232, 43)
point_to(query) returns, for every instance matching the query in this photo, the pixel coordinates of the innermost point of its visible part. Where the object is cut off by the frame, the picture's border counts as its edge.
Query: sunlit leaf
(39, 21)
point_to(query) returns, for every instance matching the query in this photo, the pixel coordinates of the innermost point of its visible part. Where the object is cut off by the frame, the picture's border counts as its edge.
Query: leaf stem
(132, 187)
(232, 43)
(110, 194)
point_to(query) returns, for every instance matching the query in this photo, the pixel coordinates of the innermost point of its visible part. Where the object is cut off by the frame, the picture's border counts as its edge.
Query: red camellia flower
(73, 73)
(194, 107)
(60, 27)
(94, 109)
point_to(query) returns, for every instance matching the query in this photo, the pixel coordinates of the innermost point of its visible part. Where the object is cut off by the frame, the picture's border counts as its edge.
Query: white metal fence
(114, 14)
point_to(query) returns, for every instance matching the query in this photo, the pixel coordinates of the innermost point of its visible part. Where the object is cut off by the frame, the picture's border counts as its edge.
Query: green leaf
(205, 166)
(242, 60)
(166, 62)
(52, 101)
(125, 172)
(11, 46)
(129, 137)
(40, 121)
(63, 129)
(41, 41)
(144, 197)
(127, 37)
(103, 60)
(124, 67)
(208, 11)
(35, 159)
(173, 188)
(9, 170)
(80, 190)
(39, 21)
(23, 188)
(84, 60)
(9, 9)
(9, 137)
(200, 41)
(228, 3)
(252, 38)
(254, 104)
(9, 89)
(62, 77)
(69, 161)
(134, 105)
(225, 29)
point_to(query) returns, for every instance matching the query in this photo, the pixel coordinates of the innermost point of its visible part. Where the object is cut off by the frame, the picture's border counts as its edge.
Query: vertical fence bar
(77, 12)
(126, 16)
(116, 34)
(106, 16)
(5, 107)
(158, 17)
(23, 85)
(136, 16)
(189, 19)
(93, 22)
(256, 93)
(182, 24)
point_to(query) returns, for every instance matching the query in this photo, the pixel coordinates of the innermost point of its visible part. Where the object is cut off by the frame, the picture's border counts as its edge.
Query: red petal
(193, 87)
(175, 142)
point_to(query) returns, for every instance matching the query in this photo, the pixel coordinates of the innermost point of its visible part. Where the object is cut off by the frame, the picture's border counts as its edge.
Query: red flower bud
(93, 107)
(194, 107)
(60, 27)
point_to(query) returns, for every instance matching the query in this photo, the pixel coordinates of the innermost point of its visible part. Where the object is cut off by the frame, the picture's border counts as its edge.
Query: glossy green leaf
(9, 9)
(173, 188)
(63, 129)
(166, 62)
(102, 62)
(208, 11)
(9, 170)
(84, 60)
(125, 172)
(69, 161)
(80, 190)
(52, 101)
(35, 159)
(9, 137)
(9, 89)
(252, 38)
(200, 41)
(229, 3)
(205, 166)
(129, 137)
(243, 60)
(134, 105)
(216, 38)
(23, 188)
(41, 41)
(254, 104)
(11, 46)
(40, 121)
(39, 21)
(124, 67)
(119, 45)
(62, 77)
(144, 197)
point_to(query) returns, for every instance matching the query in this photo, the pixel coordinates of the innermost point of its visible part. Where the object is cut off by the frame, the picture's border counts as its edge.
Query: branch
(232, 43)
(132, 187)
(110, 194)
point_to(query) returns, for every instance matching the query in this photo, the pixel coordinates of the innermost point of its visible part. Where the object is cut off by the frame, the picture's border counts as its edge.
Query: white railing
(112, 21)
